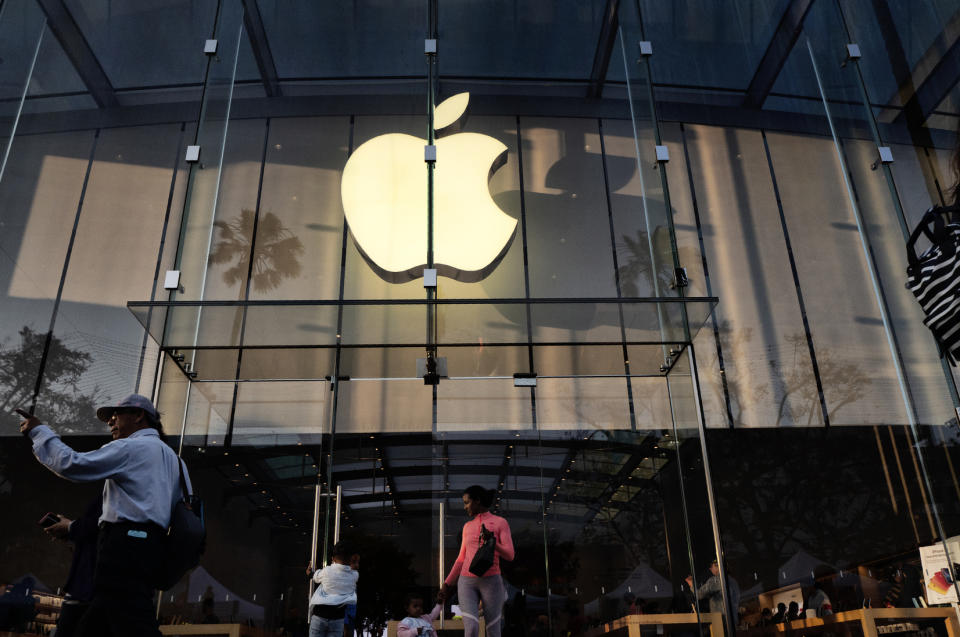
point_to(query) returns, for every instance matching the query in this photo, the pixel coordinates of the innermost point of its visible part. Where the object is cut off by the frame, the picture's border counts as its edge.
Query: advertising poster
(936, 573)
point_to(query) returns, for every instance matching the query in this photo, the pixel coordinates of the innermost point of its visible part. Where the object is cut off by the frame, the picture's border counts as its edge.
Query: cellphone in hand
(48, 520)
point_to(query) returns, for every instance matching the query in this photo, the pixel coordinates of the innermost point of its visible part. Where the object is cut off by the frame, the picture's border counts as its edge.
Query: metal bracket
(884, 156)
(210, 47)
(429, 277)
(430, 46)
(430, 153)
(853, 52)
(171, 281)
(193, 154)
(431, 369)
(525, 379)
(663, 154)
(646, 48)
(680, 279)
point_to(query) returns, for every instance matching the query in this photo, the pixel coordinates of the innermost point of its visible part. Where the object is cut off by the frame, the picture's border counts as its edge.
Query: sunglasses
(130, 411)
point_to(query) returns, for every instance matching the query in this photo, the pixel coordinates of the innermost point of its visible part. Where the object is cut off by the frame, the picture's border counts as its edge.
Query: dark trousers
(71, 612)
(128, 559)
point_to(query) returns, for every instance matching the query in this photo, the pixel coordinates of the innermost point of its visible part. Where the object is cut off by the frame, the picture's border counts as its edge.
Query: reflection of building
(793, 357)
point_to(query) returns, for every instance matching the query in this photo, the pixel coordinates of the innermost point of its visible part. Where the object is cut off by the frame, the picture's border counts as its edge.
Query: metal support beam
(781, 44)
(943, 61)
(253, 24)
(78, 50)
(601, 59)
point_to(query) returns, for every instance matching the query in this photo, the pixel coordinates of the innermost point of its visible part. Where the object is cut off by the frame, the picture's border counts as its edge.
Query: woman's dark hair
(479, 494)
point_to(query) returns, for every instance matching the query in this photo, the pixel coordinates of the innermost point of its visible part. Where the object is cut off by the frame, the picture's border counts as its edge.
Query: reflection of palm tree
(634, 270)
(275, 254)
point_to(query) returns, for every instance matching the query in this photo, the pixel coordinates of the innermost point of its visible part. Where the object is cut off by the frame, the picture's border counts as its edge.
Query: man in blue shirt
(142, 482)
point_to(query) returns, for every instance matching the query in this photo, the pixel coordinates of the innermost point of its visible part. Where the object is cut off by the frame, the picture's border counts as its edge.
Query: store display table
(867, 618)
(228, 630)
(633, 623)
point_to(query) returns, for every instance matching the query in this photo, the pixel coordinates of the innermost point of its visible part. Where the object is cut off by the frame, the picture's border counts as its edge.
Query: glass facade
(668, 325)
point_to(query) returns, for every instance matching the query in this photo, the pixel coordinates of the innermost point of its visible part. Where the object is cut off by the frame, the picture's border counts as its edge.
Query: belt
(136, 526)
(329, 612)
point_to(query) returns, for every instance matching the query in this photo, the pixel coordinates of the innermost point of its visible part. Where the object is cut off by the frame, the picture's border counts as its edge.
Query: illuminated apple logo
(384, 191)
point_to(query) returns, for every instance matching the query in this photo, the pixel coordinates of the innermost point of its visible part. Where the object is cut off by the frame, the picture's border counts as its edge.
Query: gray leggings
(471, 590)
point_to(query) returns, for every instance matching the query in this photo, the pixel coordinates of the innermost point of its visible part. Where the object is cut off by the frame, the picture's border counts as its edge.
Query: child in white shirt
(416, 623)
(337, 587)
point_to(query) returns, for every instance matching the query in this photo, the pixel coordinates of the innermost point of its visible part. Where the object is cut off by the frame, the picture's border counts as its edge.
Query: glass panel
(566, 210)
(318, 41)
(159, 45)
(40, 194)
(300, 226)
(780, 552)
(365, 274)
(502, 276)
(918, 351)
(54, 85)
(203, 187)
(524, 48)
(281, 413)
(714, 584)
(859, 380)
(231, 242)
(259, 522)
(709, 45)
(131, 171)
(22, 26)
(769, 375)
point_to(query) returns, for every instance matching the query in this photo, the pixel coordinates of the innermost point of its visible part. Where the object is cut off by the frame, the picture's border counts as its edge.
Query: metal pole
(336, 514)
(442, 570)
(316, 532)
(711, 500)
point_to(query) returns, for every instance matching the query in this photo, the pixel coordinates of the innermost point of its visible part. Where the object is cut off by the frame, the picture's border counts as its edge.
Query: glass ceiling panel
(363, 38)
(192, 324)
(705, 43)
(149, 43)
(519, 39)
(20, 27)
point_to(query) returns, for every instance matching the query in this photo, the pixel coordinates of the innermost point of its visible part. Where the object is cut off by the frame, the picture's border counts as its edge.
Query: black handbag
(483, 558)
(186, 537)
(934, 277)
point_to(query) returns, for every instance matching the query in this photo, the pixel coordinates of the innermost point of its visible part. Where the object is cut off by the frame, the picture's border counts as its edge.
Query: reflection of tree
(529, 566)
(387, 576)
(789, 379)
(635, 263)
(820, 490)
(61, 400)
(275, 257)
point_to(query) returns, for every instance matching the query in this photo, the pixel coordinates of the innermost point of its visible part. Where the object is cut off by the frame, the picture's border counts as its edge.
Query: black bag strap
(183, 480)
(935, 216)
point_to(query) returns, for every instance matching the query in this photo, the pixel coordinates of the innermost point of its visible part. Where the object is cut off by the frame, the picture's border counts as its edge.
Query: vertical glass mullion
(646, 132)
(200, 203)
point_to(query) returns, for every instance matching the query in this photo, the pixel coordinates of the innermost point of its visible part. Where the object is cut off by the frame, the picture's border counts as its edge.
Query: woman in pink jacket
(471, 588)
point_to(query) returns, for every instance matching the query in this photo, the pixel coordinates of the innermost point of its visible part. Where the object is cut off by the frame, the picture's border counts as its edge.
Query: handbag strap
(934, 215)
(183, 480)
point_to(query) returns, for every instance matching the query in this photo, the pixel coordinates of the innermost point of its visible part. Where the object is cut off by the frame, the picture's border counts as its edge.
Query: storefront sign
(384, 191)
